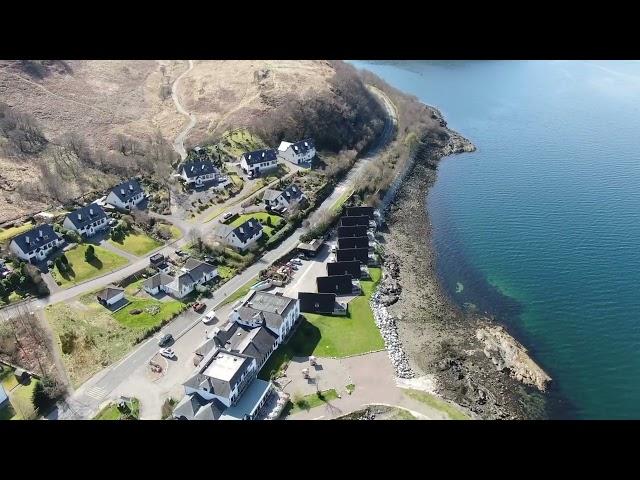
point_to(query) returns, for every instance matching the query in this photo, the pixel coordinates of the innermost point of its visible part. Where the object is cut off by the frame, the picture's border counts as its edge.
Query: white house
(35, 244)
(125, 195)
(111, 295)
(193, 273)
(199, 172)
(86, 220)
(223, 376)
(258, 161)
(242, 236)
(276, 312)
(301, 152)
(277, 199)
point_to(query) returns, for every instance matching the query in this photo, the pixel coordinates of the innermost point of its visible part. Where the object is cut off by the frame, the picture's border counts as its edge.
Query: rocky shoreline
(475, 363)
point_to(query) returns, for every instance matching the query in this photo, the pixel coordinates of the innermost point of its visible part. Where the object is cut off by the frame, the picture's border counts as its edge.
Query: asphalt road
(85, 401)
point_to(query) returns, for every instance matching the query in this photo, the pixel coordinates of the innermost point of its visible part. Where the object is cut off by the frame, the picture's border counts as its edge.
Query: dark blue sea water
(541, 226)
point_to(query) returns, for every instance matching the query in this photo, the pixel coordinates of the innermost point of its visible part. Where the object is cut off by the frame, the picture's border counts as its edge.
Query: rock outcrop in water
(508, 355)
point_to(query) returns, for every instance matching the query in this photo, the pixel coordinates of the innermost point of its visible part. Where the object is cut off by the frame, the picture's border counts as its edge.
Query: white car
(167, 353)
(296, 261)
(209, 316)
(227, 215)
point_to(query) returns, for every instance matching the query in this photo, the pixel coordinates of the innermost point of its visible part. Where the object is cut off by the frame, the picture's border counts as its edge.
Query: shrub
(90, 253)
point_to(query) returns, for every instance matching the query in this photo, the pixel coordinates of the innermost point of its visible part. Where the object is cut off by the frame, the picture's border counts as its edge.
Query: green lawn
(137, 243)
(20, 398)
(332, 336)
(111, 412)
(309, 401)
(81, 270)
(153, 313)
(343, 198)
(262, 218)
(436, 403)
(12, 298)
(134, 287)
(7, 378)
(241, 292)
(9, 233)
(175, 232)
(226, 272)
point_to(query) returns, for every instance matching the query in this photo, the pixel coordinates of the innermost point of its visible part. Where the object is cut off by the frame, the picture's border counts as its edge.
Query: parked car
(199, 307)
(227, 215)
(209, 317)
(296, 261)
(167, 353)
(165, 340)
(180, 253)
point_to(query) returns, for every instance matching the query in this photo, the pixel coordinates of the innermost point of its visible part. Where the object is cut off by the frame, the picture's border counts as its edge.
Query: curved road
(85, 401)
(178, 144)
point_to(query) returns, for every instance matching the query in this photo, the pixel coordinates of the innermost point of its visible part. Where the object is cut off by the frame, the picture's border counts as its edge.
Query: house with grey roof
(110, 295)
(125, 195)
(222, 375)
(193, 273)
(277, 199)
(299, 153)
(36, 244)
(258, 161)
(87, 220)
(196, 407)
(198, 172)
(275, 312)
(243, 236)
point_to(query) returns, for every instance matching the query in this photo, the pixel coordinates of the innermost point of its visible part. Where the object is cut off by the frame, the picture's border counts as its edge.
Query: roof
(358, 211)
(313, 245)
(157, 280)
(259, 156)
(303, 146)
(249, 401)
(194, 407)
(83, 216)
(270, 194)
(110, 292)
(357, 220)
(220, 372)
(126, 190)
(256, 342)
(317, 302)
(351, 267)
(268, 307)
(335, 284)
(195, 168)
(360, 254)
(292, 193)
(353, 242)
(35, 238)
(284, 145)
(248, 229)
(3, 395)
(354, 231)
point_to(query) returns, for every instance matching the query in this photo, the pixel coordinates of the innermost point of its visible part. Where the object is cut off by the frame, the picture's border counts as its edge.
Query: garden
(85, 261)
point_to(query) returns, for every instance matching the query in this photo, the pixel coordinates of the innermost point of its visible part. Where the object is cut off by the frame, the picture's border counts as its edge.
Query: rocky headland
(474, 361)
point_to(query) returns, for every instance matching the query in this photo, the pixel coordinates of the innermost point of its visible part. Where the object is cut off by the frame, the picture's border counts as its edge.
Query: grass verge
(436, 403)
(308, 402)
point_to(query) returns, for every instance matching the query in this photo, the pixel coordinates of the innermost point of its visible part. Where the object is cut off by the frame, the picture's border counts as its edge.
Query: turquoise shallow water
(541, 225)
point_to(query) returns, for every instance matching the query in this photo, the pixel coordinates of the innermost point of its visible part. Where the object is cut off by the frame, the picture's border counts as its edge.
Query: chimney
(262, 154)
(79, 216)
(130, 186)
(40, 232)
(306, 144)
(26, 239)
(202, 167)
(122, 191)
(192, 168)
(241, 230)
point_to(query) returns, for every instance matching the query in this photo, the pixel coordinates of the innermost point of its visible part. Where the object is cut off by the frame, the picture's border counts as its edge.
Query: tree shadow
(95, 262)
(305, 339)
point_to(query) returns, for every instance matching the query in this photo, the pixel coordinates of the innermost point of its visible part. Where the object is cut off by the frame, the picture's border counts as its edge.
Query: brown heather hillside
(70, 127)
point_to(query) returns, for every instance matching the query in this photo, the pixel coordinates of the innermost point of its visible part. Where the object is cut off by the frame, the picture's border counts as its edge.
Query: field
(8, 233)
(333, 336)
(82, 270)
(89, 336)
(309, 401)
(137, 244)
(153, 313)
(20, 405)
